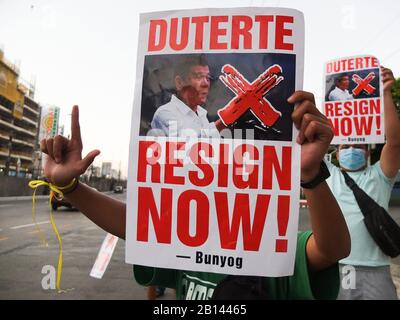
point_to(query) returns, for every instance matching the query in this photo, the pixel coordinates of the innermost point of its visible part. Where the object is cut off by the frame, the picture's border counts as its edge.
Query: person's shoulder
(333, 94)
(165, 107)
(376, 171)
(373, 169)
(301, 235)
(302, 239)
(165, 111)
(331, 167)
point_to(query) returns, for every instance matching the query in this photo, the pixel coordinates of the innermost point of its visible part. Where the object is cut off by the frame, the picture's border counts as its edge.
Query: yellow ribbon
(55, 191)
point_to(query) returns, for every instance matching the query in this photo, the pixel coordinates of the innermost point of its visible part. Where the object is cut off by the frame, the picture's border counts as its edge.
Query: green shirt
(192, 285)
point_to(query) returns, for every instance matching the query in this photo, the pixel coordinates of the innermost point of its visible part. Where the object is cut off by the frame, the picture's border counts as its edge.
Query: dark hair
(368, 146)
(340, 77)
(182, 69)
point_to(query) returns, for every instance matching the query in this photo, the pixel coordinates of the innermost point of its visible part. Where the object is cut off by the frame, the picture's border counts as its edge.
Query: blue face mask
(352, 158)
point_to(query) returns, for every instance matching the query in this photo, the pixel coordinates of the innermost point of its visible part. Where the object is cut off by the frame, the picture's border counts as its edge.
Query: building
(114, 174)
(106, 169)
(19, 122)
(96, 171)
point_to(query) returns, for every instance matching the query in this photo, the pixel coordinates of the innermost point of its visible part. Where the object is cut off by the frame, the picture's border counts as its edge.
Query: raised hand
(315, 133)
(64, 157)
(388, 79)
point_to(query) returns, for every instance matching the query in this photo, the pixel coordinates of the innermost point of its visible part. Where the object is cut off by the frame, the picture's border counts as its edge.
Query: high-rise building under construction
(19, 122)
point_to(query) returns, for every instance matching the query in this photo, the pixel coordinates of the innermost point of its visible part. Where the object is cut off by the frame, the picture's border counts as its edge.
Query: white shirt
(364, 250)
(175, 118)
(339, 94)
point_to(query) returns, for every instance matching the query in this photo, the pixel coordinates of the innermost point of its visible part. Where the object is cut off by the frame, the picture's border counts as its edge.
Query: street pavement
(22, 255)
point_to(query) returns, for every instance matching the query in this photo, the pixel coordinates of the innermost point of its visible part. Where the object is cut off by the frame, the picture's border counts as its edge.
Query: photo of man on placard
(352, 85)
(193, 92)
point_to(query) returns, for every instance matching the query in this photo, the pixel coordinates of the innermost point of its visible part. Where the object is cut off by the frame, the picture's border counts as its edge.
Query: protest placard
(354, 101)
(214, 169)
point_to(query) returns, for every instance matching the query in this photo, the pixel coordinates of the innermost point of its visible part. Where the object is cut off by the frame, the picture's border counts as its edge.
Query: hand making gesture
(64, 160)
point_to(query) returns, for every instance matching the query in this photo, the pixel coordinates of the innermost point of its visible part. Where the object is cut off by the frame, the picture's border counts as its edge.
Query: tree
(396, 94)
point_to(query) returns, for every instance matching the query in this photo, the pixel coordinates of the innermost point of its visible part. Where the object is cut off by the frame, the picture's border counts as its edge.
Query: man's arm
(390, 156)
(108, 213)
(330, 240)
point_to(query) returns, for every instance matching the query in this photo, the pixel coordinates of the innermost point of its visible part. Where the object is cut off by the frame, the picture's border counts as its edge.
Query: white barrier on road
(104, 256)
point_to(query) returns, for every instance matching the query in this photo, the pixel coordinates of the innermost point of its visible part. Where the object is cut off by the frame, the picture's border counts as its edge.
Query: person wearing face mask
(353, 157)
(372, 267)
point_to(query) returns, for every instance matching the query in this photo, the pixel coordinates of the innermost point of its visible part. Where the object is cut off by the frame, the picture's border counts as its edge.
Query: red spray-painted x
(250, 96)
(363, 84)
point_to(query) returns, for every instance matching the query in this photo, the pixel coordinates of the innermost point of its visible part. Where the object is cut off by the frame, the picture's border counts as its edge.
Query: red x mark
(250, 96)
(363, 84)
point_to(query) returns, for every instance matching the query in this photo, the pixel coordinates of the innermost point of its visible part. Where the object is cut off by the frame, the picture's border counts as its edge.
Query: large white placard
(203, 193)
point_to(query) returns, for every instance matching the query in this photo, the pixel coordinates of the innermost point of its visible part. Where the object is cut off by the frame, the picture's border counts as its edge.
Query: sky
(84, 53)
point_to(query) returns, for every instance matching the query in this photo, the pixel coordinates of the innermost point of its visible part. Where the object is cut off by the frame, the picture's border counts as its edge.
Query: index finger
(75, 128)
(386, 71)
(299, 96)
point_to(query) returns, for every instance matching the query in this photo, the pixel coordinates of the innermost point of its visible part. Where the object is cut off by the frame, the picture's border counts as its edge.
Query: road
(22, 255)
